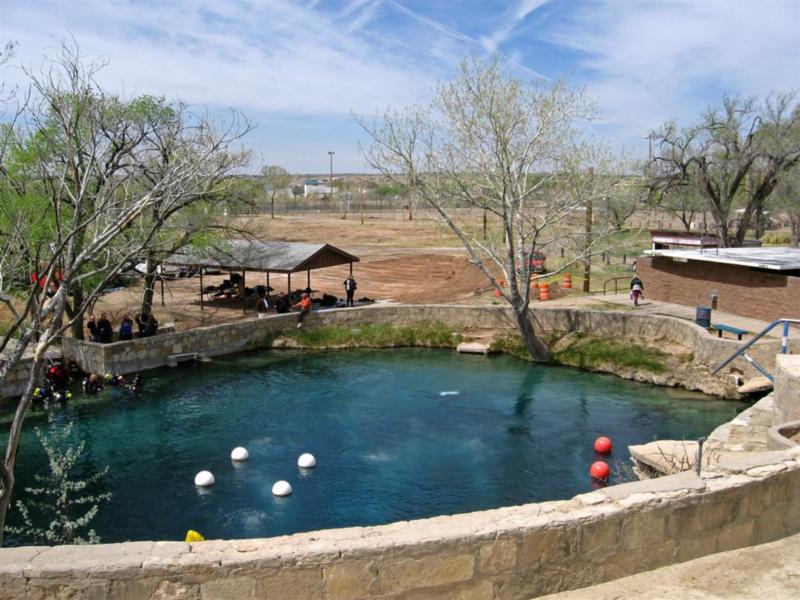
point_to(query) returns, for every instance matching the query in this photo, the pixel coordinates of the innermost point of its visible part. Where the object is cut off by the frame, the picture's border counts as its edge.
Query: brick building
(762, 283)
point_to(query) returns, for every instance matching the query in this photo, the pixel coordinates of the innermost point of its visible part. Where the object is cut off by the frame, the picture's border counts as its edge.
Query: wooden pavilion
(241, 256)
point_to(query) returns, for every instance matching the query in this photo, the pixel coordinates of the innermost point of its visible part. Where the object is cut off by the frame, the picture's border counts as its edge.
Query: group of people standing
(101, 331)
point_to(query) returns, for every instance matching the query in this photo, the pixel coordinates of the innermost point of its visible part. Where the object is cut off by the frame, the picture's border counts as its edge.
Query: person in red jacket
(305, 307)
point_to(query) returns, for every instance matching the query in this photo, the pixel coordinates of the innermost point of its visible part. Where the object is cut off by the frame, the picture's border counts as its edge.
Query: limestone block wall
(148, 353)
(16, 379)
(509, 553)
(787, 388)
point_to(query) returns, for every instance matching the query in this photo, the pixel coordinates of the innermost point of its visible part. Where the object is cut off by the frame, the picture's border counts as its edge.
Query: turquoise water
(389, 445)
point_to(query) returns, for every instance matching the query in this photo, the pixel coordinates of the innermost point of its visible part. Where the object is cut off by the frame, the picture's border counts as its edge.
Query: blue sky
(299, 69)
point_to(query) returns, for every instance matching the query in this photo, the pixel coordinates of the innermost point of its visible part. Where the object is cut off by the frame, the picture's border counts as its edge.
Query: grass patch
(588, 352)
(429, 335)
(511, 344)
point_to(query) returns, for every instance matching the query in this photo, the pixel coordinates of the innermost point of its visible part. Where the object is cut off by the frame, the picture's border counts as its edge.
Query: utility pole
(587, 260)
(361, 197)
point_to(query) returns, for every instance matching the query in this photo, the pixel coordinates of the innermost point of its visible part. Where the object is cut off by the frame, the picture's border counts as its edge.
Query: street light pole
(331, 153)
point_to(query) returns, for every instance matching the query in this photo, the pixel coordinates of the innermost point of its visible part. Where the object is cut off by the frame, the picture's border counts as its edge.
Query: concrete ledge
(779, 435)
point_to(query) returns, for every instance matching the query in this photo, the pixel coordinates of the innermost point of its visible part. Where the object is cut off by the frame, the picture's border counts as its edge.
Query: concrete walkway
(656, 307)
(766, 571)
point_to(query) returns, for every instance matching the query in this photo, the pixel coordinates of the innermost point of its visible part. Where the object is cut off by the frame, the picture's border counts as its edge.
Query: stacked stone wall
(148, 353)
(508, 553)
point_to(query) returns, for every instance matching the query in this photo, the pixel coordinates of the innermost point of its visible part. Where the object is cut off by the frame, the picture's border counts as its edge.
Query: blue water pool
(390, 445)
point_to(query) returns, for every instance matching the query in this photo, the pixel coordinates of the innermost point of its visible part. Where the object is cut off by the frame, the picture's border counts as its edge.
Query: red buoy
(600, 470)
(602, 445)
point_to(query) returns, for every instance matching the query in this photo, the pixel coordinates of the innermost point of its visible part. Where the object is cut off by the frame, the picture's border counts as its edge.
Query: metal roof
(773, 259)
(274, 257)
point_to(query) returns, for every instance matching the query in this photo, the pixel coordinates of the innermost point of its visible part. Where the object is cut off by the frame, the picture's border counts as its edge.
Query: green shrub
(60, 508)
(511, 344)
(777, 238)
(433, 335)
(592, 352)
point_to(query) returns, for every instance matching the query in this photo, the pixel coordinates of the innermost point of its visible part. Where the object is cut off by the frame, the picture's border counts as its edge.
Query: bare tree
(683, 202)
(75, 210)
(276, 181)
(787, 201)
(492, 142)
(735, 154)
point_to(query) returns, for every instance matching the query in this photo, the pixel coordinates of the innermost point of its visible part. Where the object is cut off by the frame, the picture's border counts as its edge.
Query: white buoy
(204, 479)
(307, 461)
(281, 488)
(239, 454)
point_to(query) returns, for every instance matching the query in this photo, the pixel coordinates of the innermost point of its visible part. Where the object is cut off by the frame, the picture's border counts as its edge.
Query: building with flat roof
(676, 239)
(762, 283)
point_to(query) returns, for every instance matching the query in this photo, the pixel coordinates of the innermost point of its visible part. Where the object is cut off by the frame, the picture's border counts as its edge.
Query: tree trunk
(12, 447)
(272, 207)
(535, 346)
(77, 301)
(149, 285)
(587, 261)
(722, 233)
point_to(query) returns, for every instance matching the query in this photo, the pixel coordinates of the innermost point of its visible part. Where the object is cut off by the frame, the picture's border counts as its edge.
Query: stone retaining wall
(508, 553)
(17, 378)
(148, 353)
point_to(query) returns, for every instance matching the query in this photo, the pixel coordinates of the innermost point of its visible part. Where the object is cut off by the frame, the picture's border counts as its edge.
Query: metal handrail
(743, 350)
(614, 279)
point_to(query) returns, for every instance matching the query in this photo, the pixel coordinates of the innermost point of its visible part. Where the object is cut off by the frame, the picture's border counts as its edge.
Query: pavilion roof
(273, 257)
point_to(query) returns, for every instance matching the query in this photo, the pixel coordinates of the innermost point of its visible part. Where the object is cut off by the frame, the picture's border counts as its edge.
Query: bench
(719, 327)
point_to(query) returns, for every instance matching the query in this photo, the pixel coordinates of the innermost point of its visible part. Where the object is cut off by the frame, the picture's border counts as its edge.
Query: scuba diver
(135, 386)
(42, 393)
(114, 380)
(58, 376)
(92, 384)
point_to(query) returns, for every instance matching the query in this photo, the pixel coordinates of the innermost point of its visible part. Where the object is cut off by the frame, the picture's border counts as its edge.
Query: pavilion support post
(202, 307)
(267, 283)
(162, 289)
(244, 294)
(351, 268)
(308, 284)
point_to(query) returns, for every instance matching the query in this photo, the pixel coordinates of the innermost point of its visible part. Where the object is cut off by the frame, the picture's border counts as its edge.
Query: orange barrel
(567, 284)
(544, 291)
(500, 281)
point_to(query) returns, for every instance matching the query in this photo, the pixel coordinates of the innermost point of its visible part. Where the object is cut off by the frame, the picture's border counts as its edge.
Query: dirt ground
(402, 261)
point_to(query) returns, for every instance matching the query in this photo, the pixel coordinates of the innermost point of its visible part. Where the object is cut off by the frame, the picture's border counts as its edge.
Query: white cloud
(514, 15)
(279, 56)
(647, 62)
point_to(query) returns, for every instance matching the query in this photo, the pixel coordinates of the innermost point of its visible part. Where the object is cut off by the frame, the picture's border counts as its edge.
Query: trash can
(703, 316)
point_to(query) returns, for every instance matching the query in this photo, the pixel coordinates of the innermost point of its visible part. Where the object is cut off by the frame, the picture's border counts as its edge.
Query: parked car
(536, 261)
(168, 271)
